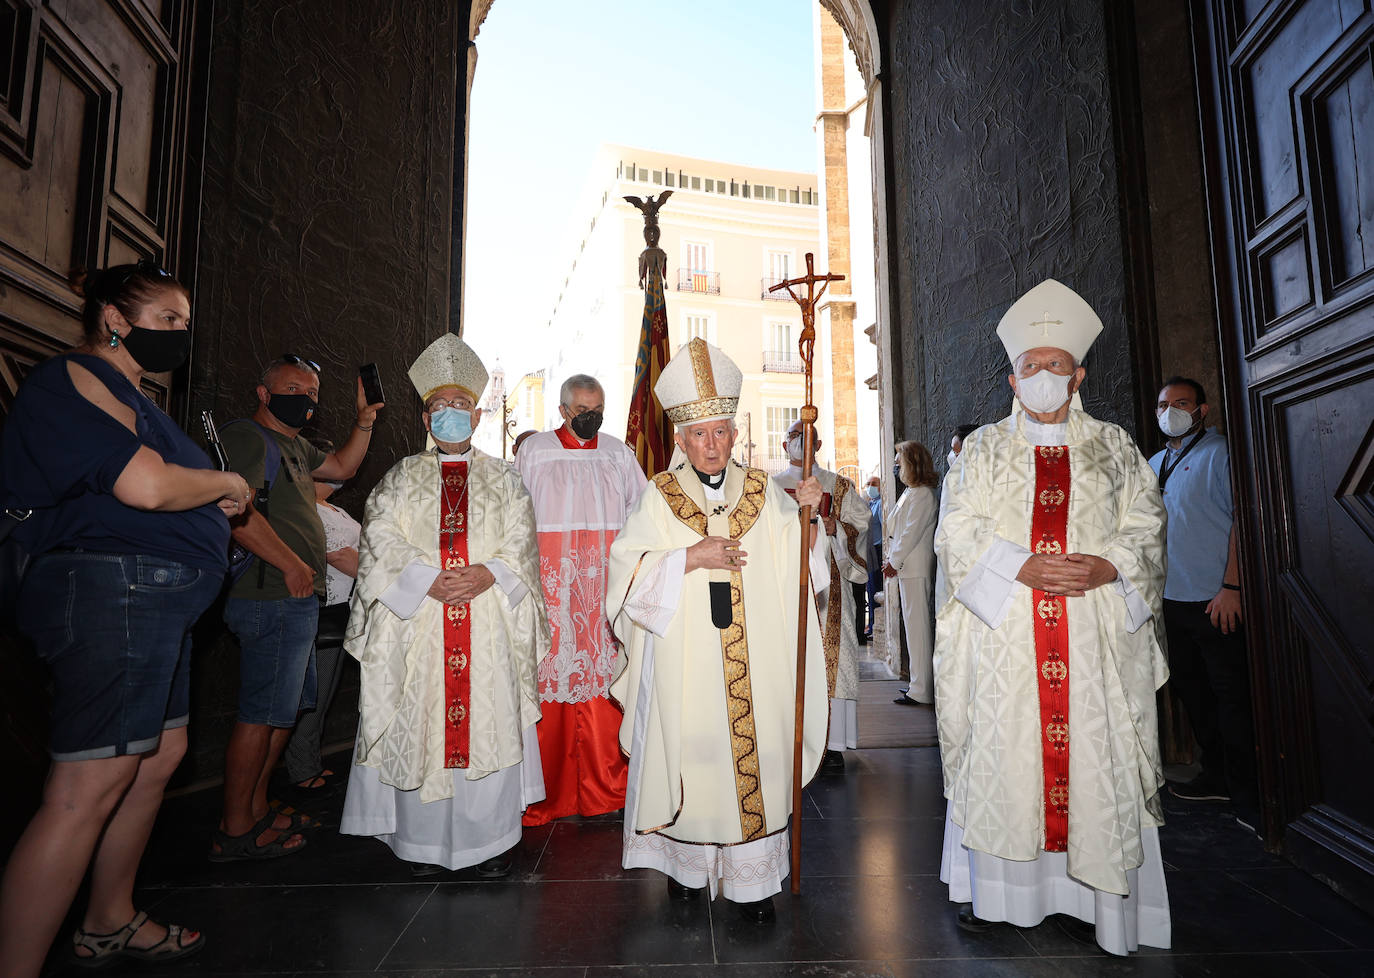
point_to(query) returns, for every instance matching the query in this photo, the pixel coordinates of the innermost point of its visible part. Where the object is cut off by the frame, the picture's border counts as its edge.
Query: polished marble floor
(872, 903)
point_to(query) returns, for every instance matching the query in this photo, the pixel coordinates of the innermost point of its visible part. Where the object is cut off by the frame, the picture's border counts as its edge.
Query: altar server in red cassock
(583, 483)
(1048, 652)
(448, 624)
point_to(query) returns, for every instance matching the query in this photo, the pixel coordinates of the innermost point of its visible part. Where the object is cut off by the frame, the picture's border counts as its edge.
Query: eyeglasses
(295, 361)
(440, 402)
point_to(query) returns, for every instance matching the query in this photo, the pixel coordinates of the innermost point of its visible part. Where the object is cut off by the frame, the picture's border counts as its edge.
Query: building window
(698, 326)
(710, 186)
(734, 189)
(777, 421)
(698, 255)
(658, 176)
(770, 193)
(669, 179)
(696, 183)
(806, 196)
(794, 196)
(643, 176)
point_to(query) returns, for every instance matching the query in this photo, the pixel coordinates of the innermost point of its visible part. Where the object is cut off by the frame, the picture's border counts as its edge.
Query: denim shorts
(116, 631)
(276, 658)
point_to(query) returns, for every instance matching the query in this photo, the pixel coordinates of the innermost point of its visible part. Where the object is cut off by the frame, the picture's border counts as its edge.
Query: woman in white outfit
(911, 559)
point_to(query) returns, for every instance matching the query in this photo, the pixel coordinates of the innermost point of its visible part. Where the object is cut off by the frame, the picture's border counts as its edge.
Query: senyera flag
(648, 432)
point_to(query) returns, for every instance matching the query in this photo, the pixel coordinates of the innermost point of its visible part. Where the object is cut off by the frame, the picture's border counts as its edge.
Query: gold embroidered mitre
(700, 383)
(448, 362)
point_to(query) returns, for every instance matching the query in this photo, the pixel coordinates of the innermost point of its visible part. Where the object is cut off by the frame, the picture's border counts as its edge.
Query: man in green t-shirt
(273, 607)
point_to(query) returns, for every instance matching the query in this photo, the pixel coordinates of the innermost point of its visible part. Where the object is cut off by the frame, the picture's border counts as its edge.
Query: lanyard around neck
(1166, 468)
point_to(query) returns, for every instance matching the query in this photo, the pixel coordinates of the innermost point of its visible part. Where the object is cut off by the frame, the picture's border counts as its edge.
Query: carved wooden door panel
(1287, 89)
(95, 97)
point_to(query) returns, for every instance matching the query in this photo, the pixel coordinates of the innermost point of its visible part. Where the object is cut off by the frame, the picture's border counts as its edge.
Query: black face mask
(157, 350)
(586, 424)
(292, 410)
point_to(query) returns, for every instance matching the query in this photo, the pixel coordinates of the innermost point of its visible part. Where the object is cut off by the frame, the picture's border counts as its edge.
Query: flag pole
(806, 346)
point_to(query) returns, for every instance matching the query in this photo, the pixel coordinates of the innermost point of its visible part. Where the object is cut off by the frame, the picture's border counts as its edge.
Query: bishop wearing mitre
(703, 594)
(447, 623)
(1048, 653)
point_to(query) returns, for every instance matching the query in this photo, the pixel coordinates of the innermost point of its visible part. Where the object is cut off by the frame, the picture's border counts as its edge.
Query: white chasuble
(711, 762)
(402, 705)
(988, 688)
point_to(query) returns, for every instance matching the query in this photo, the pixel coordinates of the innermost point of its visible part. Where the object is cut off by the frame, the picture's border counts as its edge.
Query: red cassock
(582, 493)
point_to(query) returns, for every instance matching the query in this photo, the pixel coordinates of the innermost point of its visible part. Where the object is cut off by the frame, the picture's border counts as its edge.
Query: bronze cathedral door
(1287, 90)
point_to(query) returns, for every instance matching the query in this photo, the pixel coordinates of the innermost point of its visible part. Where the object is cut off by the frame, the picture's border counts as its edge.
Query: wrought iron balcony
(766, 283)
(695, 280)
(782, 362)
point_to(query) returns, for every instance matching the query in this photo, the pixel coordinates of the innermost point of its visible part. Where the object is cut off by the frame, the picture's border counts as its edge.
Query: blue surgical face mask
(874, 492)
(451, 425)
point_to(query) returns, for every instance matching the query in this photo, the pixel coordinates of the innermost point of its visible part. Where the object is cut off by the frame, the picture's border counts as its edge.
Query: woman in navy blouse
(130, 531)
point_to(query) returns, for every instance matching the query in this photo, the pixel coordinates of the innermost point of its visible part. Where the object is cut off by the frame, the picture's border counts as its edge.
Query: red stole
(1049, 532)
(568, 440)
(453, 545)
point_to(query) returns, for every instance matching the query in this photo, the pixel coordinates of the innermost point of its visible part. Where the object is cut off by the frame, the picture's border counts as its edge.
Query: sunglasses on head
(118, 276)
(296, 361)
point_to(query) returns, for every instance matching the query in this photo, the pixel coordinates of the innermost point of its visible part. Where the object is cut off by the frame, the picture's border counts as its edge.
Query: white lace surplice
(581, 498)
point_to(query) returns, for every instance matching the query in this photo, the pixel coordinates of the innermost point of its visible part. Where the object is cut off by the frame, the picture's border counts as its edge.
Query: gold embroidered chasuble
(717, 765)
(402, 710)
(986, 680)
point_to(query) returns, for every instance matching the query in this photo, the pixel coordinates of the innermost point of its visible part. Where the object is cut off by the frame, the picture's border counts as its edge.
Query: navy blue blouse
(61, 456)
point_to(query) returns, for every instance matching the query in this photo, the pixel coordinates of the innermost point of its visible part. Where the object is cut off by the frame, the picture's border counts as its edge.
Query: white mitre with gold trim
(1049, 315)
(700, 383)
(448, 362)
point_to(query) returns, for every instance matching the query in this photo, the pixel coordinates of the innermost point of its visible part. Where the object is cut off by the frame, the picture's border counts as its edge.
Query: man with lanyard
(447, 622)
(1207, 659)
(583, 483)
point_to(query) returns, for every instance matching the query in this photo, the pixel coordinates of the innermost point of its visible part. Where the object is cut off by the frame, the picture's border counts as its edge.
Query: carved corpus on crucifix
(806, 346)
(653, 258)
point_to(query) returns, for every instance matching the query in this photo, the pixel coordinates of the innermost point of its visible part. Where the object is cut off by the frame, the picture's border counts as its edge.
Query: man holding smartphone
(273, 607)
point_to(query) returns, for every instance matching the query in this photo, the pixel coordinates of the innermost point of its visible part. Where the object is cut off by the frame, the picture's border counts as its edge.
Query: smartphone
(372, 383)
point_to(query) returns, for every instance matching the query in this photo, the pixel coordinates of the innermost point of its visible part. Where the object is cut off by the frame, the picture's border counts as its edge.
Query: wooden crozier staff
(806, 346)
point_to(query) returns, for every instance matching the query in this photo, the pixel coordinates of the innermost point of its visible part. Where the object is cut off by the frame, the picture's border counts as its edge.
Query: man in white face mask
(447, 623)
(1047, 655)
(1207, 656)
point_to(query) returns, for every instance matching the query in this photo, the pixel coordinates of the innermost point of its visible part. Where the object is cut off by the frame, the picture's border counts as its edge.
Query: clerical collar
(1044, 435)
(460, 457)
(714, 481)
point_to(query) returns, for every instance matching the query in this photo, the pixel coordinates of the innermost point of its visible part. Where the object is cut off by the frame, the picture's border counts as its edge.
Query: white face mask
(794, 449)
(1043, 392)
(950, 458)
(1175, 422)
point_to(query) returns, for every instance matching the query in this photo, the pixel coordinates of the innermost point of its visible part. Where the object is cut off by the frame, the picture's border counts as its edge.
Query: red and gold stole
(453, 545)
(1049, 531)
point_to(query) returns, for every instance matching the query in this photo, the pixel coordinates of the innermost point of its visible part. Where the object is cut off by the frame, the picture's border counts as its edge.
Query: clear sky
(730, 80)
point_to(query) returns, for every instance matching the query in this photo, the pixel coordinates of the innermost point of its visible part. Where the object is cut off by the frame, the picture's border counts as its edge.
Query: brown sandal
(105, 948)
